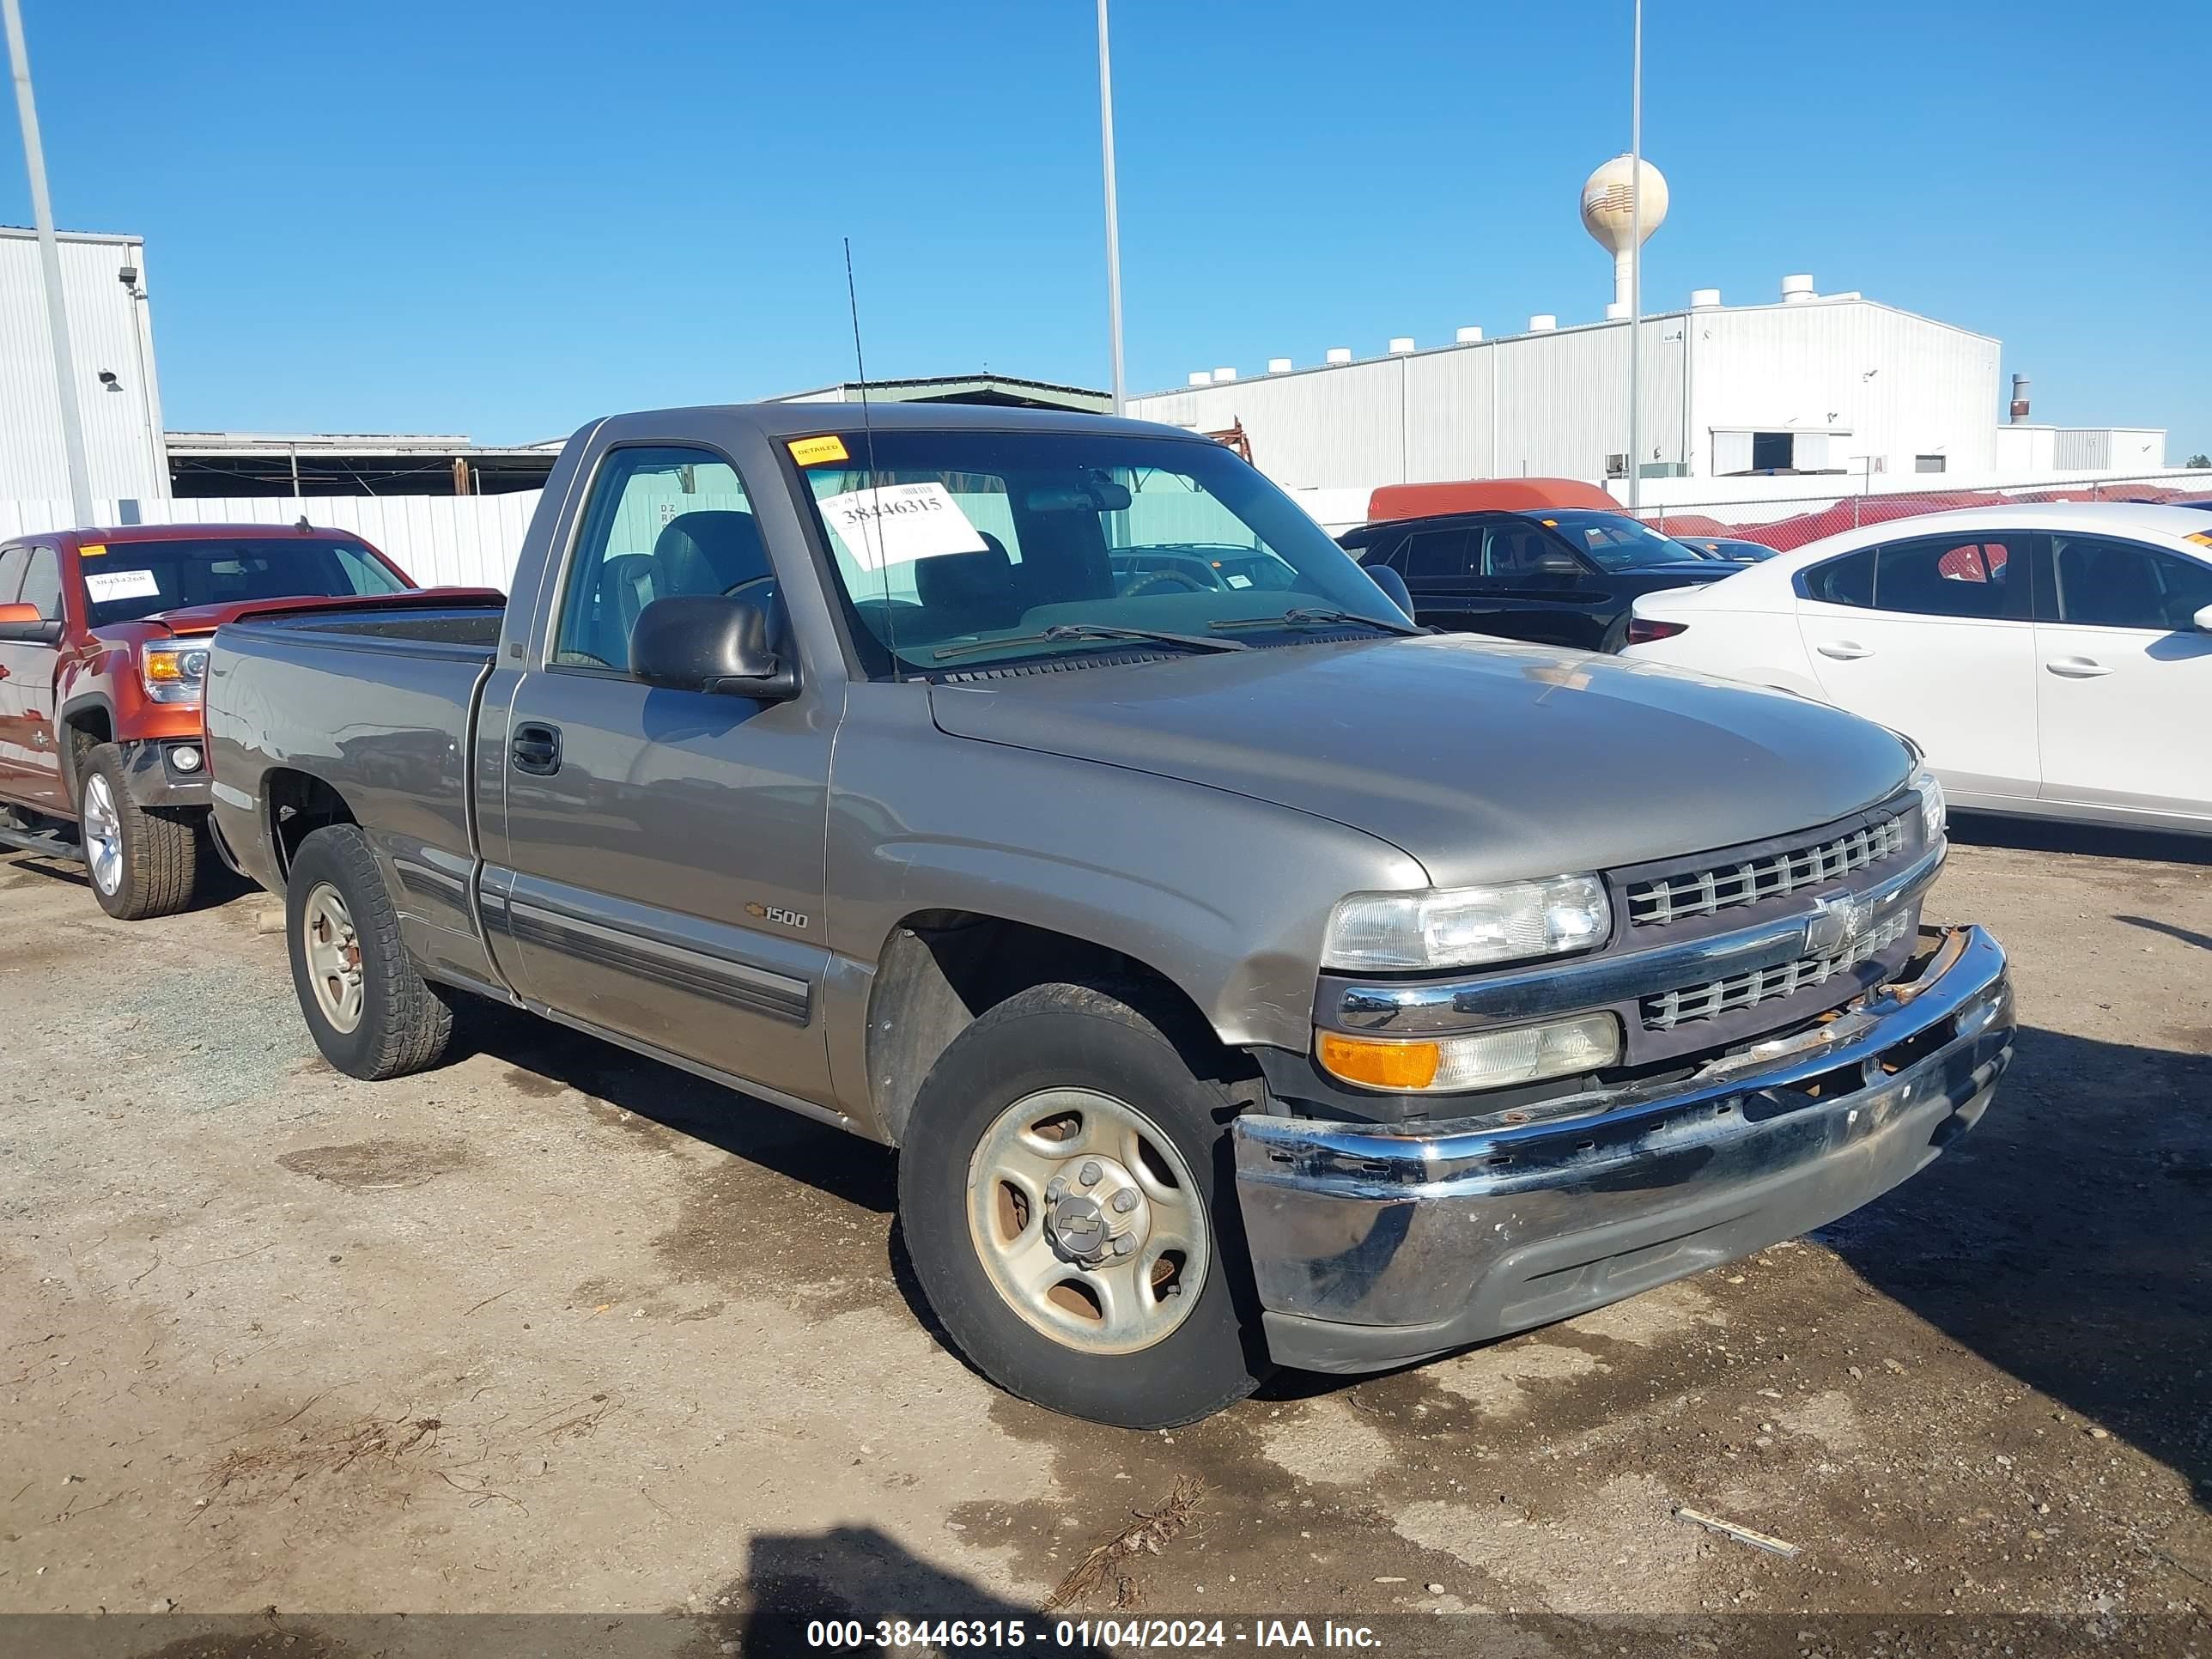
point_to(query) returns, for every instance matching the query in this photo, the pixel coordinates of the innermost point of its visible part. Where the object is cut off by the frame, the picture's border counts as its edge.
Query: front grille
(1722, 887)
(1716, 997)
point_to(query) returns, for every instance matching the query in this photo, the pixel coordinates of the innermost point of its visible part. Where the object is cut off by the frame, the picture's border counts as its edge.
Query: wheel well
(298, 803)
(85, 728)
(943, 969)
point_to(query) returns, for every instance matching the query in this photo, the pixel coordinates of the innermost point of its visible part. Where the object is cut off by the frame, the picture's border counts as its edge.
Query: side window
(659, 522)
(1511, 549)
(1435, 556)
(1942, 576)
(42, 584)
(1847, 580)
(11, 572)
(2112, 584)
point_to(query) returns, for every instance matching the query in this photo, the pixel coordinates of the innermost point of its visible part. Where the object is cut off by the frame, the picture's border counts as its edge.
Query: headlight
(1463, 927)
(1482, 1060)
(173, 673)
(1932, 808)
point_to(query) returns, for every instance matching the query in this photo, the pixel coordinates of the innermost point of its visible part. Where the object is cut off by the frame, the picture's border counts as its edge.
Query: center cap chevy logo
(1835, 922)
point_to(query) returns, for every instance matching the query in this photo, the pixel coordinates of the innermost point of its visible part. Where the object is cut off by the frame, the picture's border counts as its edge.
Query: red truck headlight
(173, 673)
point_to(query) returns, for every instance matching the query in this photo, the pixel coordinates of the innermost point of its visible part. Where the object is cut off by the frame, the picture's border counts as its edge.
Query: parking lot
(553, 1328)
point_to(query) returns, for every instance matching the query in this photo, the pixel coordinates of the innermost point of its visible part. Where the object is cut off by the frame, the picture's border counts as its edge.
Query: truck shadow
(2069, 1240)
(552, 1057)
(861, 1574)
(2090, 840)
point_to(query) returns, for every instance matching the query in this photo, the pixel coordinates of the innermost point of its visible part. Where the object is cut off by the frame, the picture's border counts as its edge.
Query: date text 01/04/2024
(1284, 1635)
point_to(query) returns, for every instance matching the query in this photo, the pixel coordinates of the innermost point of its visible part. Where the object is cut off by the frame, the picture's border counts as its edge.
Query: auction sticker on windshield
(898, 524)
(101, 585)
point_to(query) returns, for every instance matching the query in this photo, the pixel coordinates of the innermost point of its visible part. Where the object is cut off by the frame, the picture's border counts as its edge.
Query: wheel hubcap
(103, 835)
(1087, 1221)
(333, 954)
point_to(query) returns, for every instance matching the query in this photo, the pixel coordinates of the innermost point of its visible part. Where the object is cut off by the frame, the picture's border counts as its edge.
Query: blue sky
(503, 219)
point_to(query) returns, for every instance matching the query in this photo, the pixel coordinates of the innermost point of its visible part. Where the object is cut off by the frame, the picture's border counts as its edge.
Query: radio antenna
(868, 444)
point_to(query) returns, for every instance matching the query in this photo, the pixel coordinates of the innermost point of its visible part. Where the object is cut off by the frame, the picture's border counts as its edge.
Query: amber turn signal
(1380, 1065)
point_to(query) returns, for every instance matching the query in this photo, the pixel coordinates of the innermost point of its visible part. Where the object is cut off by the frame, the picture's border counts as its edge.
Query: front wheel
(1061, 1189)
(143, 861)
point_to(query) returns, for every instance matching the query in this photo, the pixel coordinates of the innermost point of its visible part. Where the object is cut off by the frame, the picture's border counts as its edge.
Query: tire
(1615, 636)
(143, 861)
(373, 1015)
(1040, 1049)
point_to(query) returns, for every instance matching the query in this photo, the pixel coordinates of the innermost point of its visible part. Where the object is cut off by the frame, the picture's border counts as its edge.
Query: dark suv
(1555, 576)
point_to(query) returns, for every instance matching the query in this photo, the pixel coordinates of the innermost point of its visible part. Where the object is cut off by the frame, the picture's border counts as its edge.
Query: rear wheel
(372, 1015)
(1062, 1189)
(143, 861)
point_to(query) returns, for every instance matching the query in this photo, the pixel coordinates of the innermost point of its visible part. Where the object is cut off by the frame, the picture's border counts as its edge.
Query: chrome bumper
(1375, 1245)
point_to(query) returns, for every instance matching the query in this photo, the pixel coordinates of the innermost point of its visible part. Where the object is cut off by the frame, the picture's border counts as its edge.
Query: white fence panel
(464, 541)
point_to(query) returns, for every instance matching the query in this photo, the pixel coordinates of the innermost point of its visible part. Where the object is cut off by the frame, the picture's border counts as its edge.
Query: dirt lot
(555, 1329)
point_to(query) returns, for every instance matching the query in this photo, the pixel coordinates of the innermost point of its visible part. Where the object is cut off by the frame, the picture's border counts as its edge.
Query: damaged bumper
(1377, 1245)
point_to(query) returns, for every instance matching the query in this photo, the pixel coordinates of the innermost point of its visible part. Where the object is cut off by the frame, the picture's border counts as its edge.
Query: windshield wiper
(1317, 616)
(1060, 632)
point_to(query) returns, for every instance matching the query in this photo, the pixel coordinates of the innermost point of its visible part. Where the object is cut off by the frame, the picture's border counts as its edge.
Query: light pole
(50, 256)
(1112, 208)
(1635, 254)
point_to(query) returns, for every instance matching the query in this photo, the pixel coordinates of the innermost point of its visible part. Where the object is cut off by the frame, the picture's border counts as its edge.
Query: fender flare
(68, 712)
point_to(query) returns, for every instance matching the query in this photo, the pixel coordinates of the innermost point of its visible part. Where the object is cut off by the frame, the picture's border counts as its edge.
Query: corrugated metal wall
(468, 541)
(1553, 403)
(1901, 385)
(1904, 384)
(108, 331)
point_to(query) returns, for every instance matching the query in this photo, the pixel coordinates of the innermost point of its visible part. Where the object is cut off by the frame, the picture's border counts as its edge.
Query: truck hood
(206, 618)
(1485, 761)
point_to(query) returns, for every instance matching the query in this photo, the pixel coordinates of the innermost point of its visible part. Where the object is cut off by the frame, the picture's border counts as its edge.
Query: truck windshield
(126, 581)
(958, 540)
(1617, 541)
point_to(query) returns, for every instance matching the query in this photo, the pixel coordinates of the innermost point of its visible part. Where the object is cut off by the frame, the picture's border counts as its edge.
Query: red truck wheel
(143, 861)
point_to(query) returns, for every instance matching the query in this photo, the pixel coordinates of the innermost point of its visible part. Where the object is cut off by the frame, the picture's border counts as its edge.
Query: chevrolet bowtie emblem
(1834, 923)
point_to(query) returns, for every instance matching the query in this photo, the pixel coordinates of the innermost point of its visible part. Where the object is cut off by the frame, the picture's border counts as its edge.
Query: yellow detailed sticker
(92, 549)
(811, 452)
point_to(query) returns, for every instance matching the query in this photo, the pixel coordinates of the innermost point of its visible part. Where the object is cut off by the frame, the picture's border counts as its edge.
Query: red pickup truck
(103, 650)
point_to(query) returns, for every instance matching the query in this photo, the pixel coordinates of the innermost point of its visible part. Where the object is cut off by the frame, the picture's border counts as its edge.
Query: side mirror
(1557, 564)
(1393, 586)
(2203, 620)
(707, 642)
(23, 625)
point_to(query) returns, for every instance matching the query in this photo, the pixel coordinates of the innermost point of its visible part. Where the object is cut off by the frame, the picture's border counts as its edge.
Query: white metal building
(1810, 384)
(111, 339)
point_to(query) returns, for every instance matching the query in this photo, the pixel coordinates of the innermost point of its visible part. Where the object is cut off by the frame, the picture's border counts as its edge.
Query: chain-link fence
(1785, 523)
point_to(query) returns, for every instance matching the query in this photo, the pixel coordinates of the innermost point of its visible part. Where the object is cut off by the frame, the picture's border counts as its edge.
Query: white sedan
(2054, 660)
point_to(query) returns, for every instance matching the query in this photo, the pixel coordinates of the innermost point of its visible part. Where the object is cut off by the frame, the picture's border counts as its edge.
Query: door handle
(1844, 650)
(2076, 668)
(536, 748)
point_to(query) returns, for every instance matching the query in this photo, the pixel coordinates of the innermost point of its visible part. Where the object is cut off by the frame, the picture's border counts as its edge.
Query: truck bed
(472, 623)
(380, 704)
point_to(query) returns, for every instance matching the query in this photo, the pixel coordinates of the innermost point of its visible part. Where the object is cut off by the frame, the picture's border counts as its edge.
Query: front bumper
(151, 774)
(1375, 1245)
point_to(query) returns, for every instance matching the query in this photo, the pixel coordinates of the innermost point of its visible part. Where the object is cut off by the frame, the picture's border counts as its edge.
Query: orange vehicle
(103, 652)
(1425, 501)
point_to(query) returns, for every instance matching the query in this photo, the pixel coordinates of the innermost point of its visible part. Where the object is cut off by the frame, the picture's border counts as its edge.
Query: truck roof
(801, 420)
(111, 534)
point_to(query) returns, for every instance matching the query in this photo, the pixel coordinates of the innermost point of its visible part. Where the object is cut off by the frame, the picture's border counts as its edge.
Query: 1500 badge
(781, 918)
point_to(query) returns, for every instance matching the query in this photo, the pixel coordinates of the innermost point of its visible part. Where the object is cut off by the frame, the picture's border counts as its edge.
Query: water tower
(1606, 214)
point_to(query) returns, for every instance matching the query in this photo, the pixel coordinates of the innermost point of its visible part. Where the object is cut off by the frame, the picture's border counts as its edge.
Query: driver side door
(655, 866)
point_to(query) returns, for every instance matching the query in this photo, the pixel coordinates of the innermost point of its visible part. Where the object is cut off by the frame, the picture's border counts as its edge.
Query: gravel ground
(553, 1329)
